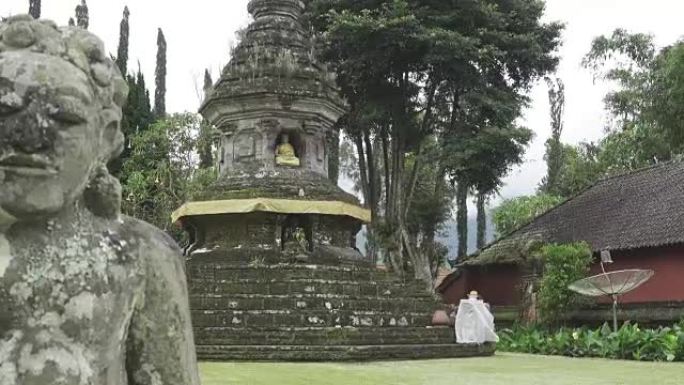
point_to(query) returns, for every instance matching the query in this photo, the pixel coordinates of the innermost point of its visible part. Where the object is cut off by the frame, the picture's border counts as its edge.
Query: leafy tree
(650, 88)
(485, 157)
(495, 152)
(646, 106)
(554, 146)
(430, 208)
(408, 70)
(122, 51)
(34, 8)
(514, 213)
(162, 170)
(137, 117)
(72, 23)
(160, 76)
(580, 169)
(630, 149)
(563, 265)
(82, 15)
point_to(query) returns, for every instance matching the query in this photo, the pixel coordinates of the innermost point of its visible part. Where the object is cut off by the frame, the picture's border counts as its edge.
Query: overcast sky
(200, 33)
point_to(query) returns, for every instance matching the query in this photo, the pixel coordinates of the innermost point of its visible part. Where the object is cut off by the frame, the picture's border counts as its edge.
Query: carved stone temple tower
(273, 268)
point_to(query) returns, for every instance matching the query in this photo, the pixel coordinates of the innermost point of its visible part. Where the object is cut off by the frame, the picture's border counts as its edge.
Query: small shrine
(273, 266)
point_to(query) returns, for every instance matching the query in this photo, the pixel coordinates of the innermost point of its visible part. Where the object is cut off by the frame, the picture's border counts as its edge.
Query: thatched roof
(643, 208)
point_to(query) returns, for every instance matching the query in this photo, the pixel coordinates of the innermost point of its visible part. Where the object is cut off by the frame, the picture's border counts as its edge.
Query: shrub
(629, 343)
(563, 265)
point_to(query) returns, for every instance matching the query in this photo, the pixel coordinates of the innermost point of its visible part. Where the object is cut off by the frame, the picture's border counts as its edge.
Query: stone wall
(259, 310)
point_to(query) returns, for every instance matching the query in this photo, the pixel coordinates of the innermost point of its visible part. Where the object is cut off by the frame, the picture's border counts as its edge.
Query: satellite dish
(612, 284)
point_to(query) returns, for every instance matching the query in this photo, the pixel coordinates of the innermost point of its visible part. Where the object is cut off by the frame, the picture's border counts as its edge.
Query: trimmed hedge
(629, 343)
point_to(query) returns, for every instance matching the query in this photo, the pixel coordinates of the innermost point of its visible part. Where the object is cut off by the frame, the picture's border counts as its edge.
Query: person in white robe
(474, 322)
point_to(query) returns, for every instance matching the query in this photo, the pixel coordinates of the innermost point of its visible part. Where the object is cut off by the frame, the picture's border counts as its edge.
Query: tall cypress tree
(82, 15)
(208, 82)
(160, 77)
(144, 115)
(122, 52)
(554, 147)
(34, 8)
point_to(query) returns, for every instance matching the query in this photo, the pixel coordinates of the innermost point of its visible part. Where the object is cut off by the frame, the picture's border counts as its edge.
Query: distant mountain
(450, 236)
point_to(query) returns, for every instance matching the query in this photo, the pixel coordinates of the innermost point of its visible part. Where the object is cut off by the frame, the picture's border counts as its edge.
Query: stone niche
(299, 142)
(250, 146)
(247, 146)
(270, 231)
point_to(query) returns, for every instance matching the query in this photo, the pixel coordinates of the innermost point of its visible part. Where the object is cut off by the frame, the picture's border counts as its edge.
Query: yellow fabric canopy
(282, 206)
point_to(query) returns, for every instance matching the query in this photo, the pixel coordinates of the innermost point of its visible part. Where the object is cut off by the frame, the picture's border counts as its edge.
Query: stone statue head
(60, 114)
(285, 138)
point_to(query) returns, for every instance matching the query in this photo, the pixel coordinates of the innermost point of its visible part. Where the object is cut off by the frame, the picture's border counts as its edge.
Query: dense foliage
(516, 212)
(563, 265)
(162, 170)
(646, 105)
(629, 343)
(554, 146)
(416, 71)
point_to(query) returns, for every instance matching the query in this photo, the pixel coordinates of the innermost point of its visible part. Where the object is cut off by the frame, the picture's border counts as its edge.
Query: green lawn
(504, 369)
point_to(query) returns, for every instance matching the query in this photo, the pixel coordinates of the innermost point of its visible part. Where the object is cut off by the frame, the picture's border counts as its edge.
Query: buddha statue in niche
(285, 153)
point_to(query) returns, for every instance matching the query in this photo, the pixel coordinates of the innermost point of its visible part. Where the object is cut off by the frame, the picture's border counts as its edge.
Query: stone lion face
(50, 133)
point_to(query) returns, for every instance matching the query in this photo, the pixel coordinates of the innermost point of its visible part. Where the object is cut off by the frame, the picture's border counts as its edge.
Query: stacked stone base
(322, 353)
(335, 311)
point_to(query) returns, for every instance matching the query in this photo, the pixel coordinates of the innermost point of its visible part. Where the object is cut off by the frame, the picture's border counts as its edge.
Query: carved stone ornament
(247, 145)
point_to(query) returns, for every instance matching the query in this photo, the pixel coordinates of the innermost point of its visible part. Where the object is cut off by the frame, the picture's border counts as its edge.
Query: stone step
(311, 302)
(308, 318)
(307, 286)
(340, 353)
(323, 336)
(223, 271)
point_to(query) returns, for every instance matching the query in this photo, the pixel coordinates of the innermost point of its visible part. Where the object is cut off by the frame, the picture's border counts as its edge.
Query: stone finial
(286, 8)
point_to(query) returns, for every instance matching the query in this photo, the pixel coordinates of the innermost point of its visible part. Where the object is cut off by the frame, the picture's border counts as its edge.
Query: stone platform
(328, 311)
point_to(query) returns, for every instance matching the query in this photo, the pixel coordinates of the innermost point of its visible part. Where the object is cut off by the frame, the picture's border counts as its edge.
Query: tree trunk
(371, 203)
(481, 219)
(393, 221)
(421, 264)
(386, 164)
(363, 169)
(462, 218)
(417, 165)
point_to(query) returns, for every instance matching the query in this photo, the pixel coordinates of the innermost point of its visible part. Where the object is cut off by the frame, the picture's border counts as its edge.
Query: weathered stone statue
(285, 153)
(87, 296)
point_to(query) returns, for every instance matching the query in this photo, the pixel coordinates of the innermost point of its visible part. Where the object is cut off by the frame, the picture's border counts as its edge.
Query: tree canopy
(516, 212)
(420, 69)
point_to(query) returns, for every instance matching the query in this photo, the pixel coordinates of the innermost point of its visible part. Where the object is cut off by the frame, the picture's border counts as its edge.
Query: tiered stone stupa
(273, 268)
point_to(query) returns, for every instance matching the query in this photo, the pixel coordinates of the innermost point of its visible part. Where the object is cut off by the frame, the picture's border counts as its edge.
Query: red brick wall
(667, 285)
(498, 285)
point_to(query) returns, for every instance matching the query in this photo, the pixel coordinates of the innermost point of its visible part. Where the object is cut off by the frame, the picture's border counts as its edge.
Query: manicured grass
(504, 369)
